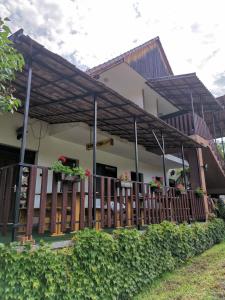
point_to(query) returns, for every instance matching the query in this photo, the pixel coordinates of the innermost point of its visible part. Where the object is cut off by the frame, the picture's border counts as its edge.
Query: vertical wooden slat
(115, 204)
(148, 204)
(43, 200)
(2, 192)
(126, 207)
(109, 202)
(82, 203)
(137, 211)
(102, 202)
(90, 200)
(30, 200)
(8, 194)
(73, 206)
(121, 206)
(54, 204)
(132, 206)
(64, 205)
(144, 202)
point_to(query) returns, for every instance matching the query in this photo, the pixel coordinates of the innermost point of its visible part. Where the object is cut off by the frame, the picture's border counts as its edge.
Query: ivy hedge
(101, 265)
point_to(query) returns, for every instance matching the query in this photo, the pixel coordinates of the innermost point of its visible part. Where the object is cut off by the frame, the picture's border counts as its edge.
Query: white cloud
(89, 32)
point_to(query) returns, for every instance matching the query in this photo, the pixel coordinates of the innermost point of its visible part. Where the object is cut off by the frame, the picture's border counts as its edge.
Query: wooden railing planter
(58, 207)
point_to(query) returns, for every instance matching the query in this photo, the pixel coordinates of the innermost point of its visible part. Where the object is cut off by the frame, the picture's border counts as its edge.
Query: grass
(203, 277)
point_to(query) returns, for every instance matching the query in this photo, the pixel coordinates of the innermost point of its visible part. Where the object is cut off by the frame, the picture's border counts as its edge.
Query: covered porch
(59, 93)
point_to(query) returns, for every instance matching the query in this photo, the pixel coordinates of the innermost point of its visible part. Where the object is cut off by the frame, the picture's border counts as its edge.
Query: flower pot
(65, 177)
(125, 184)
(155, 189)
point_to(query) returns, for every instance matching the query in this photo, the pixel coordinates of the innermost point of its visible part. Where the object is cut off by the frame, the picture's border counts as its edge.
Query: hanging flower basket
(199, 193)
(66, 173)
(66, 177)
(180, 190)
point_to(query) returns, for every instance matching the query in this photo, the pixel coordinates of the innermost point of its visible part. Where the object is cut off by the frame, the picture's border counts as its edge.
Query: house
(129, 117)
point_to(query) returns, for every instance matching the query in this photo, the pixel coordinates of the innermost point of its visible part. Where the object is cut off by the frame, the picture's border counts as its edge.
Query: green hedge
(103, 266)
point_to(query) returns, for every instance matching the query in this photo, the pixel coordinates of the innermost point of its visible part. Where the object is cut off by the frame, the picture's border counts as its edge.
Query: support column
(222, 142)
(164, 161)
(193, 111)
(202, 179)
(137, 173)
(136, 150)
(214, 127)
(22, 152)
(183, 166)
(95, 103)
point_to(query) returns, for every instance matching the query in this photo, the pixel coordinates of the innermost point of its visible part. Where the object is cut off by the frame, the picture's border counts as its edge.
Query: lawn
(203, 277)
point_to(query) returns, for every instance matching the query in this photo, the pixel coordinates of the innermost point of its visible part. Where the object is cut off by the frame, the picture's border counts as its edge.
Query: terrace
(58, 93)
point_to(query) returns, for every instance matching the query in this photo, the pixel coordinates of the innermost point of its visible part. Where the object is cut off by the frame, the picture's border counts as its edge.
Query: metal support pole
(136, 149)
(164, 161)
(94, 159)
(137, 173)
(183, 166)
(193, 111)
(22, 152)
(214, 127)
(222, 142)
(203, 114)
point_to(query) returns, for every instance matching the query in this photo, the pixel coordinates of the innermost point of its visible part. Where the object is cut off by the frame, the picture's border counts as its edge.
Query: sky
(89, 32)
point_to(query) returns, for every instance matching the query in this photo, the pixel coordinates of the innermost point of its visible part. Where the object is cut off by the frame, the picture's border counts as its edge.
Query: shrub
(103, 266)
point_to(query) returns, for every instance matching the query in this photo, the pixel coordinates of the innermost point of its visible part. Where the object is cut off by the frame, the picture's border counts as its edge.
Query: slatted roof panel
(178, 89)
(61, 93)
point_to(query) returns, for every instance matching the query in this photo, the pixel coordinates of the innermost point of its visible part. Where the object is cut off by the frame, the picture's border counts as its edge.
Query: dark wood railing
(56, 207)
(193, 124)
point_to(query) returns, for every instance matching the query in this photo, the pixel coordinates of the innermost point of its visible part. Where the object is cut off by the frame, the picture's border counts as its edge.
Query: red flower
(87, 173)
(62, 159)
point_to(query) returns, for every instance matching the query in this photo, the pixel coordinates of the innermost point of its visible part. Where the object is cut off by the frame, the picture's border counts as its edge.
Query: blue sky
(89, 32)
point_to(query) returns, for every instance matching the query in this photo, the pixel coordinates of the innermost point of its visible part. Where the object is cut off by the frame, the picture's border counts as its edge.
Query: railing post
(22, 152)
(95, 103)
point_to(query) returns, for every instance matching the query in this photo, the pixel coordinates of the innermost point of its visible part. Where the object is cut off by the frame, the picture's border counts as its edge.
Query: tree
(10, 62)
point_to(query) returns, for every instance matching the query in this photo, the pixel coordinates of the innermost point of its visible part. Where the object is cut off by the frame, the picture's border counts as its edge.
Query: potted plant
(199, 192)
(67, 173)
(125, 180)
(155, 184)
(180, 189)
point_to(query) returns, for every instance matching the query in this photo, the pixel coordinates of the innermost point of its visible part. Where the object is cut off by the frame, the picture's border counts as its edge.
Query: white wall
(70, 140)
(130, 84)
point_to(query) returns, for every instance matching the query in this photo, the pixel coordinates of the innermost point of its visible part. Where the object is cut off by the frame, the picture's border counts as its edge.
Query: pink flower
(87, 172)
(62, 159)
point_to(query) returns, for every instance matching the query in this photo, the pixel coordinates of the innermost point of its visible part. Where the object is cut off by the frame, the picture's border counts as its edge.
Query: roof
(61, 93)
(221, 100)
(178, 90)
(131, 55)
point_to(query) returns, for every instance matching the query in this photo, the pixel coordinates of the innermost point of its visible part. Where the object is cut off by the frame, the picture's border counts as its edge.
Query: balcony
(50, 206)
(192, 124)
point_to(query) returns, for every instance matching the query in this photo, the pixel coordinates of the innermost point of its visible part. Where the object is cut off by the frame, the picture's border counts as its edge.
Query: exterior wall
(69, 141)
(127, 82)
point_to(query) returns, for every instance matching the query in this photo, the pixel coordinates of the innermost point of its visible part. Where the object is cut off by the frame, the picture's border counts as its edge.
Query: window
(140, 179)
(107, 171)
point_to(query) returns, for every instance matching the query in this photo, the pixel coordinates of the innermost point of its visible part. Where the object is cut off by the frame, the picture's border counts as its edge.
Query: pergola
(58, 92)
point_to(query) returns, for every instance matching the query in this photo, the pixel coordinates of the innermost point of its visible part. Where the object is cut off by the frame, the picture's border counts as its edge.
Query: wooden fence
(51, 206)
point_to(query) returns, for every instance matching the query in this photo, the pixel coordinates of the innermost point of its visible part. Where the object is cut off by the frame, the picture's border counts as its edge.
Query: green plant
(58, 167)
(102, 266)
(199, 192)
(220, 208)
(10, 62)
